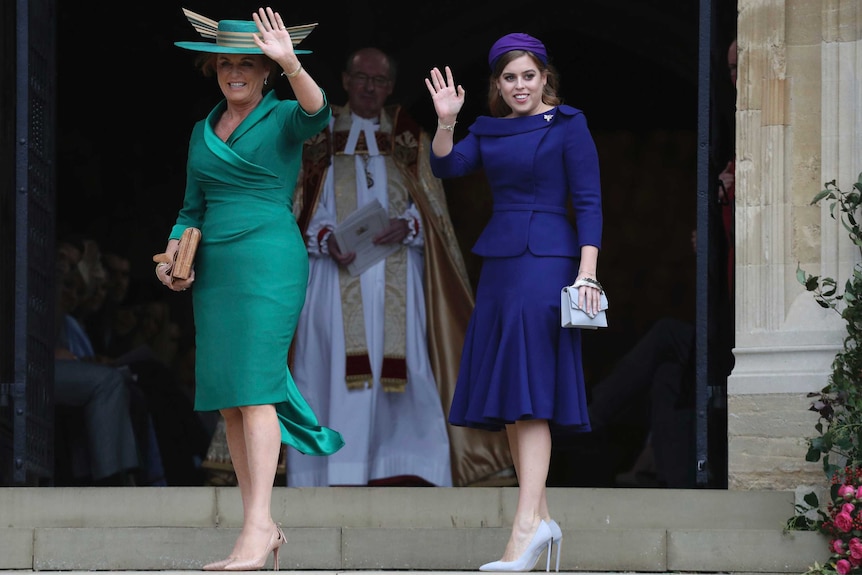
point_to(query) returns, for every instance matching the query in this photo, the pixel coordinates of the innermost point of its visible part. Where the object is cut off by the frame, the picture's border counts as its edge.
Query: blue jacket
(533, 164)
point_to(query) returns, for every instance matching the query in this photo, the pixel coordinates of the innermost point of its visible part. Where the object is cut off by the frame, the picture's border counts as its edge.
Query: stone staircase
(402, 529)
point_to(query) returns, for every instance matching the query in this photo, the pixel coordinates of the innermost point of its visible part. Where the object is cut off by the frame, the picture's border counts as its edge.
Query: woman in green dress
(251, 266)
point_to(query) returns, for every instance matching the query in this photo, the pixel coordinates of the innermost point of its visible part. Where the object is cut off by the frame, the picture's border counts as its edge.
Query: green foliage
(838, 442)
(803, 520)
(838, 439)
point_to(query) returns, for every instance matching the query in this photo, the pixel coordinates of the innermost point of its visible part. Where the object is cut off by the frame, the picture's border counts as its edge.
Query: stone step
(339, 572)
(427, 529)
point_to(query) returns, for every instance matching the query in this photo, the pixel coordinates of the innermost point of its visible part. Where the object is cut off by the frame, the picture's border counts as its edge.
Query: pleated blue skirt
(517, 362)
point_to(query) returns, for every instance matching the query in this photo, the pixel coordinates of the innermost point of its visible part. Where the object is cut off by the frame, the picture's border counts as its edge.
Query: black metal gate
(27, 192)
(714, 328)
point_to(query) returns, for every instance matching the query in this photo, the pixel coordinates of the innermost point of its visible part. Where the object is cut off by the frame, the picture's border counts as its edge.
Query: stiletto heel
(275, 542)
(541, 541)
(556, 540)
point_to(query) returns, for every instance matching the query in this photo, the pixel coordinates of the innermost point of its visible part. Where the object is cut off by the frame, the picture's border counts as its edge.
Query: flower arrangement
(839, 404)
(843, 524)
(838, 443)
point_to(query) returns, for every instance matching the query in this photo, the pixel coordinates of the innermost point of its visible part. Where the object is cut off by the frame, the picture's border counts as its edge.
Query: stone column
(798, 125)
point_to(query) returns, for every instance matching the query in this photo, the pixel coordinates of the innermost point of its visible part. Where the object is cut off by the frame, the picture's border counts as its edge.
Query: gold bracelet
(447, 127)
(293, 74)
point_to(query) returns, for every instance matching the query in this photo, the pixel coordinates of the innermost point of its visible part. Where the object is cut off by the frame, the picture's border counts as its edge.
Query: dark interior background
(128, 99)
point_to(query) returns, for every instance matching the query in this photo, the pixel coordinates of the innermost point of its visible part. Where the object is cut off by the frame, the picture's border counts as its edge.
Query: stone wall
(767, 445)
(798, 126)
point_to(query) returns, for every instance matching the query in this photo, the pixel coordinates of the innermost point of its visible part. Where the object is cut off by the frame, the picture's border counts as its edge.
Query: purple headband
(516, 41)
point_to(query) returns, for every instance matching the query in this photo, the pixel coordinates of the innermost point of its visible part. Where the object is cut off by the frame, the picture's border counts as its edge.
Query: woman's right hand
(448, 97)
(163, 272)
(163, 268)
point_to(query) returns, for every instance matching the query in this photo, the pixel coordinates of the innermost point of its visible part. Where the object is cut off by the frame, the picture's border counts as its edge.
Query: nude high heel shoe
(275, 542)
(217, 565)
(541, 541)
(556, 539)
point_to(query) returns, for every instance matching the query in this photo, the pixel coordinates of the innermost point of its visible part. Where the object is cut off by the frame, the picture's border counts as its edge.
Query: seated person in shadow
(656, 377)
(103, 450)
(140, 340)
(655, 381)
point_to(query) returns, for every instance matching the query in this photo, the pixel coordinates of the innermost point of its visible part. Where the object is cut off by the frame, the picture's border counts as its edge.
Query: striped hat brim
(235, 36)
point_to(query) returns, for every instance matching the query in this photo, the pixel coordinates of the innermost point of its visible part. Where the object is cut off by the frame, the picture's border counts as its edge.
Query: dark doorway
(126, 108)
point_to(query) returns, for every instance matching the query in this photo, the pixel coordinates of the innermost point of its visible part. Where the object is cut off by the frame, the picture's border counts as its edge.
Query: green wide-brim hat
(235, 36)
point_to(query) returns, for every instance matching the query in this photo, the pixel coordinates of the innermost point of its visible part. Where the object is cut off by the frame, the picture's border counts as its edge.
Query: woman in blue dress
(251, 267)
(520, 370)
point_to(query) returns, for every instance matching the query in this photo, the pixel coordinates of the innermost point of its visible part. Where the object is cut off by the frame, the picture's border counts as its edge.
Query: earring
(265, 81)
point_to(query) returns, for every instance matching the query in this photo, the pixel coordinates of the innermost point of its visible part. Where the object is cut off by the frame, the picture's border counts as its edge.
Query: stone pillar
(798, 125)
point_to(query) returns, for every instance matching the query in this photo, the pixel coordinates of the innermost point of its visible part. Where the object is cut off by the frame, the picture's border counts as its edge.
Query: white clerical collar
(368, 127)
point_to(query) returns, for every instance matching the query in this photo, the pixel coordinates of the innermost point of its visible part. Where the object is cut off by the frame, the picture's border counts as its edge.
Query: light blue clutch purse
(573, 316)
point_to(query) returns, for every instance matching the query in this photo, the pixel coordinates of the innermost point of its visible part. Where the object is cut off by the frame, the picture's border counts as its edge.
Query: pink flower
(844, 522)
(842, 525)
(837, 546)
(847, 491)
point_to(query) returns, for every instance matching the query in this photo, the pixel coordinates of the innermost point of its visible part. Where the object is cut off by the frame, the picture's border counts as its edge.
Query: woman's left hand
(272, 37)
(589, 296)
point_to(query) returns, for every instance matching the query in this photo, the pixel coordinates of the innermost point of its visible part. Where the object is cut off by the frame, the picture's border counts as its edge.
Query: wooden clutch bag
(184, 258)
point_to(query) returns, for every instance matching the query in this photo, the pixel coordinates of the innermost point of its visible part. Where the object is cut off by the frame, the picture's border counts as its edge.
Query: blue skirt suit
(518, 362)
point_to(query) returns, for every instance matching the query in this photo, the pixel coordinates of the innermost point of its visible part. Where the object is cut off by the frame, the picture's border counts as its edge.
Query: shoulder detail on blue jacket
(568, 110)
(490, 126)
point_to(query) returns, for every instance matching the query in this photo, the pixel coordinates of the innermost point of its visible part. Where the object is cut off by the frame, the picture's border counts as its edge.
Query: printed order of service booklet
(355, 232)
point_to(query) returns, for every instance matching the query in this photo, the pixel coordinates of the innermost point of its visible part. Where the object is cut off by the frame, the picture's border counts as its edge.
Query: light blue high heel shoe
(541, 541)
(556, 540)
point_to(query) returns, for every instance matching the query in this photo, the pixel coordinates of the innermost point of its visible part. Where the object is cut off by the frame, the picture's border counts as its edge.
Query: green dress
(251, 266)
